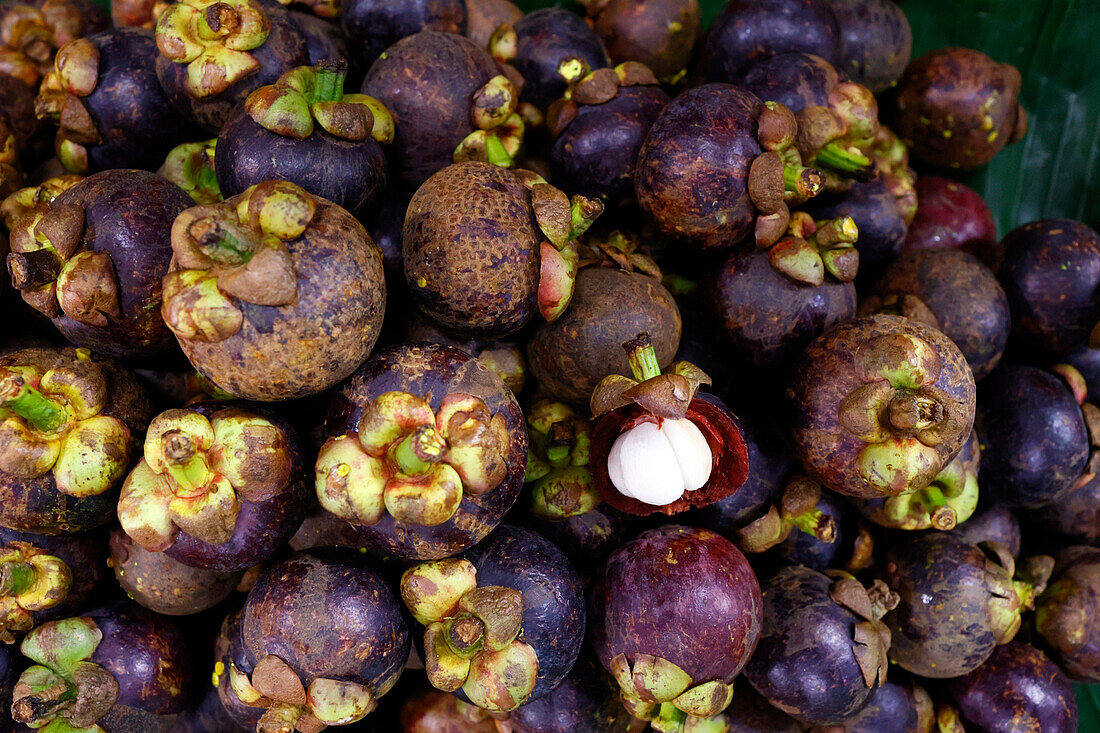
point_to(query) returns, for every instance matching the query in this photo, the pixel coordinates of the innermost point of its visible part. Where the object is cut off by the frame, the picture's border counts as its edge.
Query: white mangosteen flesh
(656, 464)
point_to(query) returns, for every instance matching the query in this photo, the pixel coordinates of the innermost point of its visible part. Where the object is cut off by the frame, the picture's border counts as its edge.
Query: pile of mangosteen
(448, 366)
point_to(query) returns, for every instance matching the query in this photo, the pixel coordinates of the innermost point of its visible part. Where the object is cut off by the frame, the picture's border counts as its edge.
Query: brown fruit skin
(283, 352)
(692, 172)
(431, 711)
(471, 250)
(658, 33)
(35, 505)
(570, 356)
(825, 376)
(432, 372)
(957, 108)
(1065, 615)
(483, 17)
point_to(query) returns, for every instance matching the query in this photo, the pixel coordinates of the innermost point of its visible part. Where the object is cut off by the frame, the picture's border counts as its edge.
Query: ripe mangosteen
(372, 26)
(504, 622)
(994, 523)
(450, 102)
(426, 450)
(104, 94)
(846, 546)
(893, 708)
(570, 356)
(1035, 444)
(658, 33)
(32, 31)
(586, 701)
(958, 601)
(320, 640)
(325, 40)
(212, 56)
(1051, 274)
(675, 615)
(882, 404)
(957, 108)
(951, 215)
(952, 291)
(822, 649)
(69, 426)
(1076, 513)
(1065, 614)
(118, 668)
(876, 41)
(274, 293)
(796, 80)
(1018, 688)
(483, 17)
(485, 247)
(92, 260)
(191, 167)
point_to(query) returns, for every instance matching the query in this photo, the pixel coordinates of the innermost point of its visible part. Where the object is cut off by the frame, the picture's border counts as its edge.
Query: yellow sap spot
(991, 136)
(343, 469)
(947, 134)
(422, 282)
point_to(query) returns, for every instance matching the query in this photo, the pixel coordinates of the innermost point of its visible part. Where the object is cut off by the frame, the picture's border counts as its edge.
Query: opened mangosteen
(450, 102)
(425, 452)
(1065, 614)
(675, 615)
(32, 31)
(876, 41)
(219, 487)
(214, 54)
(112, 112)
(658, 33)
(68, 427)
(118, 668)
(951, 215)
(958, 601)
(822, 649)
(504, 622)
(586, 701)
(485, 248)
(191, 167)
(320, 640)
(1017, 688)
(957, 108)
(305, 130)
(274, 293)
(372, 26)
(882, 404)
(599, 126)
(570, 356)
(93, 257)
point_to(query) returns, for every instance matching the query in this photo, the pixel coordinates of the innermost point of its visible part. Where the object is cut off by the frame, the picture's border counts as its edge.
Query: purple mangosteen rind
(1064, 617)
(876, 42)
(374, 27)
(586, 701)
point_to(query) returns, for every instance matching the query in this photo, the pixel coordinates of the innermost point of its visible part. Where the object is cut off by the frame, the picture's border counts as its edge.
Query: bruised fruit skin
(219, 487)
(658, 33)
(70, 425)
(586, 701)
(883, 403)
(951, 215)
(325, 639)
(92, 261)
(822, 650)
(129, 667)
(1018, 688)
(676, 614)
(482, 465)
(876, 41)
(372, 26)
(275, 293)
(957, 108)
(1065, 616)
(954, 292)
(31, 32)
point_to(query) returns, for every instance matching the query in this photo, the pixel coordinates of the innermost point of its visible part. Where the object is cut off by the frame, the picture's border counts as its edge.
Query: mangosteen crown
(311, 94)
(191, 167)
(655, 689)
(473, 635)
(557, 462)
(811, 249)
(28, 37)
(620, 250)
(499, 129)
(213, 37)
(871, 635)
(592, 87)
(665, 395)
(31, 580)
(75, 75)
(796, 509)
(195, 472)
(51, 421)
(411, 462)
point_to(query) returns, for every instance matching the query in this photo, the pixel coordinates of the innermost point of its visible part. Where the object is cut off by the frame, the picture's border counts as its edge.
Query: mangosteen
(958, 601)
(994, 523)
(136, 13)
(430, 711)
(33, 30)
(952, 291)
(69, 426)
(1065, 614)
(570, 356)
(372, 26)
(1076, 513)
(320, 640)
(425, 452)
(751, 30)
(1051, 274)
(675, 615)
(876, 41)
(754, 714)
(191, 167)
(768, 305)
(274, 293)
(658, 33)
(957, 108)
(1084, 359)
(219, 487)
(599, 127)
(104, 94)
(485, 247)
(93, 257)
(893, 708)
(483, 17)
(951, 215)
(450, 102)
(835, 539)
(1035, 444)
(305, 130)
(796, 80)
(1018, 688)
(325, 40)
(586, 701)
(537, 44)
(118, 667)
(882, 404)
(213, 56)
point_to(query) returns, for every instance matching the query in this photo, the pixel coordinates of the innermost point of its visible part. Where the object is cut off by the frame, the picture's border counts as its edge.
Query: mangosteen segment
(31, 580)
(191, 167)
(557, 462)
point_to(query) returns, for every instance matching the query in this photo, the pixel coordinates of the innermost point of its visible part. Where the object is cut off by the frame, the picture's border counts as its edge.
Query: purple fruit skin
(545, 38)
(951, 215)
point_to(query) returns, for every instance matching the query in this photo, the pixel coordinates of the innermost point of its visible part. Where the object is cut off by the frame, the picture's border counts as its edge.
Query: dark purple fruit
(658, 33)
(372, 26)
(1076, 513)
(994, 524)
(325, 40)
(483, 17)
(1065, 614)
(837, 550)
(797, 80)
(586, 701)
(876, 41)
(879, 216)
(894, 708)
(951, 215)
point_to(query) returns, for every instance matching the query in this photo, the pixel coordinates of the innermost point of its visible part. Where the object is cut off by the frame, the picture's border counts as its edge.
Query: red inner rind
(719, 427)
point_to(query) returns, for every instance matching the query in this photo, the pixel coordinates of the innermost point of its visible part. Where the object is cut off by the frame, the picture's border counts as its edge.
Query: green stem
(798, 179)
(1026, 592)
(418, 451)
(835, 157)
(46, 705)
(816, 523)
(933, 497)
(185, 465)
(46, 415)
(329, 83)
(16, 578)
(643, 358)
(496, 153)
(583, 213)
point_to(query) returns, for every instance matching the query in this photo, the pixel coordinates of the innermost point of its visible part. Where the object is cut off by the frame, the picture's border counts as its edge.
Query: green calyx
(419, 451)
(191, 167)
(30, 580)
(950, 499)
(657, 690)
(557, 464)
(810, 250)
(842, 159)
(16, 395)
